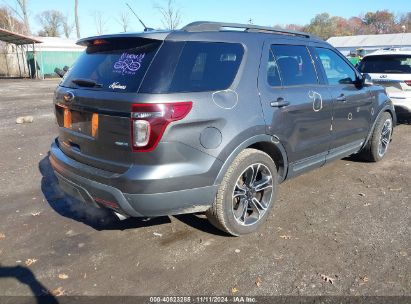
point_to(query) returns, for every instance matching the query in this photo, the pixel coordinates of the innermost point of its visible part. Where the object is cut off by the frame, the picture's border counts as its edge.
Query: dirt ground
(343, 229)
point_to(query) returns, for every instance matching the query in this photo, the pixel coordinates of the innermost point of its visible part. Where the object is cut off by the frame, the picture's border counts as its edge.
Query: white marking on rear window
(118, 86)
(128, 64)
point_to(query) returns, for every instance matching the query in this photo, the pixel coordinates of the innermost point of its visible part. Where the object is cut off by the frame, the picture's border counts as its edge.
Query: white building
(370, 43)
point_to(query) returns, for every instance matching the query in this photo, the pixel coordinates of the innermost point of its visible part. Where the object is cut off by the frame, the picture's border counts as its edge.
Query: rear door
(297, 107)
(352, 103)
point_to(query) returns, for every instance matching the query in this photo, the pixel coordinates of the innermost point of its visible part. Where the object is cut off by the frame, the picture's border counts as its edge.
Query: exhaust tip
(121, 217)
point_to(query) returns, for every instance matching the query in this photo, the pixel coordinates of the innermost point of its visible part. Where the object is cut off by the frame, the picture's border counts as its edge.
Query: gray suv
(209, 118)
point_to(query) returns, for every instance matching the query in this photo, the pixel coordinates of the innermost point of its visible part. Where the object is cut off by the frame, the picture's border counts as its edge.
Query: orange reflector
(94, 124)
(67, 118)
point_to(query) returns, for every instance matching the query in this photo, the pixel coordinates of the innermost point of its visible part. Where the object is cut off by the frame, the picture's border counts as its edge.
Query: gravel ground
(342, 230)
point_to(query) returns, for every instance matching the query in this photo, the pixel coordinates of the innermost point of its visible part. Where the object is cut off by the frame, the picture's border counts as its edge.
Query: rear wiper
(87, 83)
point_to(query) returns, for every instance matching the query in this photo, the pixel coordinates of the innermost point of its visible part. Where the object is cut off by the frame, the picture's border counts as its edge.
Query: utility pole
(76, 18)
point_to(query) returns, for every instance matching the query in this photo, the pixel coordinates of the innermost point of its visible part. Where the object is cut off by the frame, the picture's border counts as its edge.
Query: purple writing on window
(128, 64)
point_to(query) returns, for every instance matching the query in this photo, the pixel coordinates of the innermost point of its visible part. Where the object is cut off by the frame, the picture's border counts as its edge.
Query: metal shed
(370, 43)
(56, 52)
(19, 46)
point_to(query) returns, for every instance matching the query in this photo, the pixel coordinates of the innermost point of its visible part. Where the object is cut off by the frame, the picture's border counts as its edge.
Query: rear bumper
(402, 103)
(130, 204)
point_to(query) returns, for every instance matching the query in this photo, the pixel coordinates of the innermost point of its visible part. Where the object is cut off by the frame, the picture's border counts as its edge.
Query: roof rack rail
(207, 26)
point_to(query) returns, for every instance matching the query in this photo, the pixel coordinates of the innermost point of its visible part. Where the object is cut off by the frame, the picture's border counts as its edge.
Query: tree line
(380, 22)
(54, 23)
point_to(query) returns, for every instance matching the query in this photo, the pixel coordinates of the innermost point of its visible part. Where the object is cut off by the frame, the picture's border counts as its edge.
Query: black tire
(372, 151)
(222, 213)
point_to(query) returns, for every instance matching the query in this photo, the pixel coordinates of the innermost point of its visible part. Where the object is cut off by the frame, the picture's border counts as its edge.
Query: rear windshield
(125, 65)
(387, 64)
(113, 65)
(193, 67)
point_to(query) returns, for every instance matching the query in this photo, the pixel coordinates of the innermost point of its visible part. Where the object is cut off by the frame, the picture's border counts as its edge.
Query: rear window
(114, 65)
(387, 64)
(193, 67)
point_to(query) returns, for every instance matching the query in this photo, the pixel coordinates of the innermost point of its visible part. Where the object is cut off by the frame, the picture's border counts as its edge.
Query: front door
(352, 103)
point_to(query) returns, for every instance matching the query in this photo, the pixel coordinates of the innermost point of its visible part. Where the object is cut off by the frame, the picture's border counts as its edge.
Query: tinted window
(116, 65)
(193, 67)
(273, 76)
(387, 64)
(295, 64)
(336, 69)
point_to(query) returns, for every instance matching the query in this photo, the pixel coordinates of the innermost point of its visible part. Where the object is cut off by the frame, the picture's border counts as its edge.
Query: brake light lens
(149, 121)
(98, 42)
(408, 82)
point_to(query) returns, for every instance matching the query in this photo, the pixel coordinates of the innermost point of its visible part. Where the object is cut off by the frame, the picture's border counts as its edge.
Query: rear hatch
(93, 102)
(390, 71)
(123, 93)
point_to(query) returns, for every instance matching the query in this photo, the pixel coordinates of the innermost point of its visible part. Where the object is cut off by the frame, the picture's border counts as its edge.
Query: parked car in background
(391, 68)
(209, 118)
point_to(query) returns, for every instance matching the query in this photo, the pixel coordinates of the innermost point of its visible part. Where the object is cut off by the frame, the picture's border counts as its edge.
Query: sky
(261, 12)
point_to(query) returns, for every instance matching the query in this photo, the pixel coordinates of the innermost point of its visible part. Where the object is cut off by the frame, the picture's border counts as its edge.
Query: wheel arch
(265, 143)
(387, 108)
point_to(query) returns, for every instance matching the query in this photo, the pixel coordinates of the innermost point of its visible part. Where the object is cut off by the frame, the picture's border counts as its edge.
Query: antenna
(146, 29)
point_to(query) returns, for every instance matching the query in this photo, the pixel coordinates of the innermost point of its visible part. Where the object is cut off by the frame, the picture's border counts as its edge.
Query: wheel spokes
(258, 206)
(244, 210)
(385, 137)
(252, 194)
(265, 184)
(239, 192)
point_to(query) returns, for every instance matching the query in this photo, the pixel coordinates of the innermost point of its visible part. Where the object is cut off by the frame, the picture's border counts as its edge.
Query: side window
(273, 76)
(295, 64)
(336, 69)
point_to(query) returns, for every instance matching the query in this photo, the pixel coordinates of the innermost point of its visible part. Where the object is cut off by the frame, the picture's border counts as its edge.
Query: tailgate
(94, 133)
(93, 102)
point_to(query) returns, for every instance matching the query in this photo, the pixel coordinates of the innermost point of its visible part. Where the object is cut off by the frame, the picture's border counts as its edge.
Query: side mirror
(366, 80)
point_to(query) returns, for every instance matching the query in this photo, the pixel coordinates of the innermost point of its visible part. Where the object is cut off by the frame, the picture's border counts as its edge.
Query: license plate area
(78, 121)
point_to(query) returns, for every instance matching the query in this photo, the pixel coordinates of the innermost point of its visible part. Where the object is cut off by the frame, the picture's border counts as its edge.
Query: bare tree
(9, 21)
(124, 20)
(51, 22)
(171, 15)
(76, 19)
(100, 22)
(22, 12)
(67, 27)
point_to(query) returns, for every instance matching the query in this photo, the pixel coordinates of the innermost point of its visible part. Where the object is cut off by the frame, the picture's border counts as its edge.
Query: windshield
(386, 64)
(113, 65)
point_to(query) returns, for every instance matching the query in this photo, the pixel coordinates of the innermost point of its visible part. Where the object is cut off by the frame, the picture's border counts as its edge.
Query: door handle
(281, 102)
(342, 98)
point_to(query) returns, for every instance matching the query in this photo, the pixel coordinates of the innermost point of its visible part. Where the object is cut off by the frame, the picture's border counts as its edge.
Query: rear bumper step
(133, 205)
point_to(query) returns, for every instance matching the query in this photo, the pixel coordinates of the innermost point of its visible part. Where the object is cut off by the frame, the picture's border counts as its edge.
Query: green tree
(321, 25)
(380, 22)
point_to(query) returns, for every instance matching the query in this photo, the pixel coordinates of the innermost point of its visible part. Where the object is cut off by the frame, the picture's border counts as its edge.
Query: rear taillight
(408, 82)
(149, 121)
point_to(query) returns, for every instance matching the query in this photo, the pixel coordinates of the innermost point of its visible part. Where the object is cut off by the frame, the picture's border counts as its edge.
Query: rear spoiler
(155, 35)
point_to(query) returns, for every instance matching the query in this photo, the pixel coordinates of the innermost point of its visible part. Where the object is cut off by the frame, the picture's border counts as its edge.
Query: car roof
(391, 51)
(214, 30)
